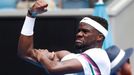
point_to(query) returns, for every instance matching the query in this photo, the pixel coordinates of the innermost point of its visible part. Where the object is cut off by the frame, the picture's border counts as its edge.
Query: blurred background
(56, 28)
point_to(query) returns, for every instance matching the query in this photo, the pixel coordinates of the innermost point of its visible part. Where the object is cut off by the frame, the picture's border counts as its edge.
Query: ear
(100, 37)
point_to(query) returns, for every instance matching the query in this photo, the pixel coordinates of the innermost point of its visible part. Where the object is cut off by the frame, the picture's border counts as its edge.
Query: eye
(78, 31)
(86, 31)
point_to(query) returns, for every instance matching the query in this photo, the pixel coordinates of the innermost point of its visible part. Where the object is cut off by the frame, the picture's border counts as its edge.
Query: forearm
(26, 38)
(25, 45)
(50, 65)
(57, 67)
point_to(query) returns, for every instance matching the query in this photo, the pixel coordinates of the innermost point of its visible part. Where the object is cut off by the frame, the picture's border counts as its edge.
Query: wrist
(31, 13)
(28, 26)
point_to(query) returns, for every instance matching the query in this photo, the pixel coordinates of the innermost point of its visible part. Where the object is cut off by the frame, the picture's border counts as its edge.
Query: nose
(79, 34)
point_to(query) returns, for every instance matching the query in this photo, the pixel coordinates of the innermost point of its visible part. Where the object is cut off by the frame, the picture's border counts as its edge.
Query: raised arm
(48, 60)
(25, 45)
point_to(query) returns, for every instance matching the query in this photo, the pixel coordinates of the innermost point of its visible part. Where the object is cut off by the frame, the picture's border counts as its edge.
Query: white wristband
(28, 26)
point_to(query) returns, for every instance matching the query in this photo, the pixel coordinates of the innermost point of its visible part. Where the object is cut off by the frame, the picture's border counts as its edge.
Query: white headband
(95, 24)
(118, 58)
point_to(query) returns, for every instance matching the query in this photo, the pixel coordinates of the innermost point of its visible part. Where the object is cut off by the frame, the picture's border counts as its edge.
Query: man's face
(86, 36)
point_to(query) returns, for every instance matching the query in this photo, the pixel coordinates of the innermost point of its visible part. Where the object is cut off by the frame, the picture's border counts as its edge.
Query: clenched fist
(40, 6)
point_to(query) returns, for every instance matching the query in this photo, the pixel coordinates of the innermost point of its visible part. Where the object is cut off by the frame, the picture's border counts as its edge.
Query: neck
(95, 45)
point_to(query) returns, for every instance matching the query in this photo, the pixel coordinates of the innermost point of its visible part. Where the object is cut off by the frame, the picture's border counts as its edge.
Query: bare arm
(25, 45)
(54, 66)
(57, 67)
